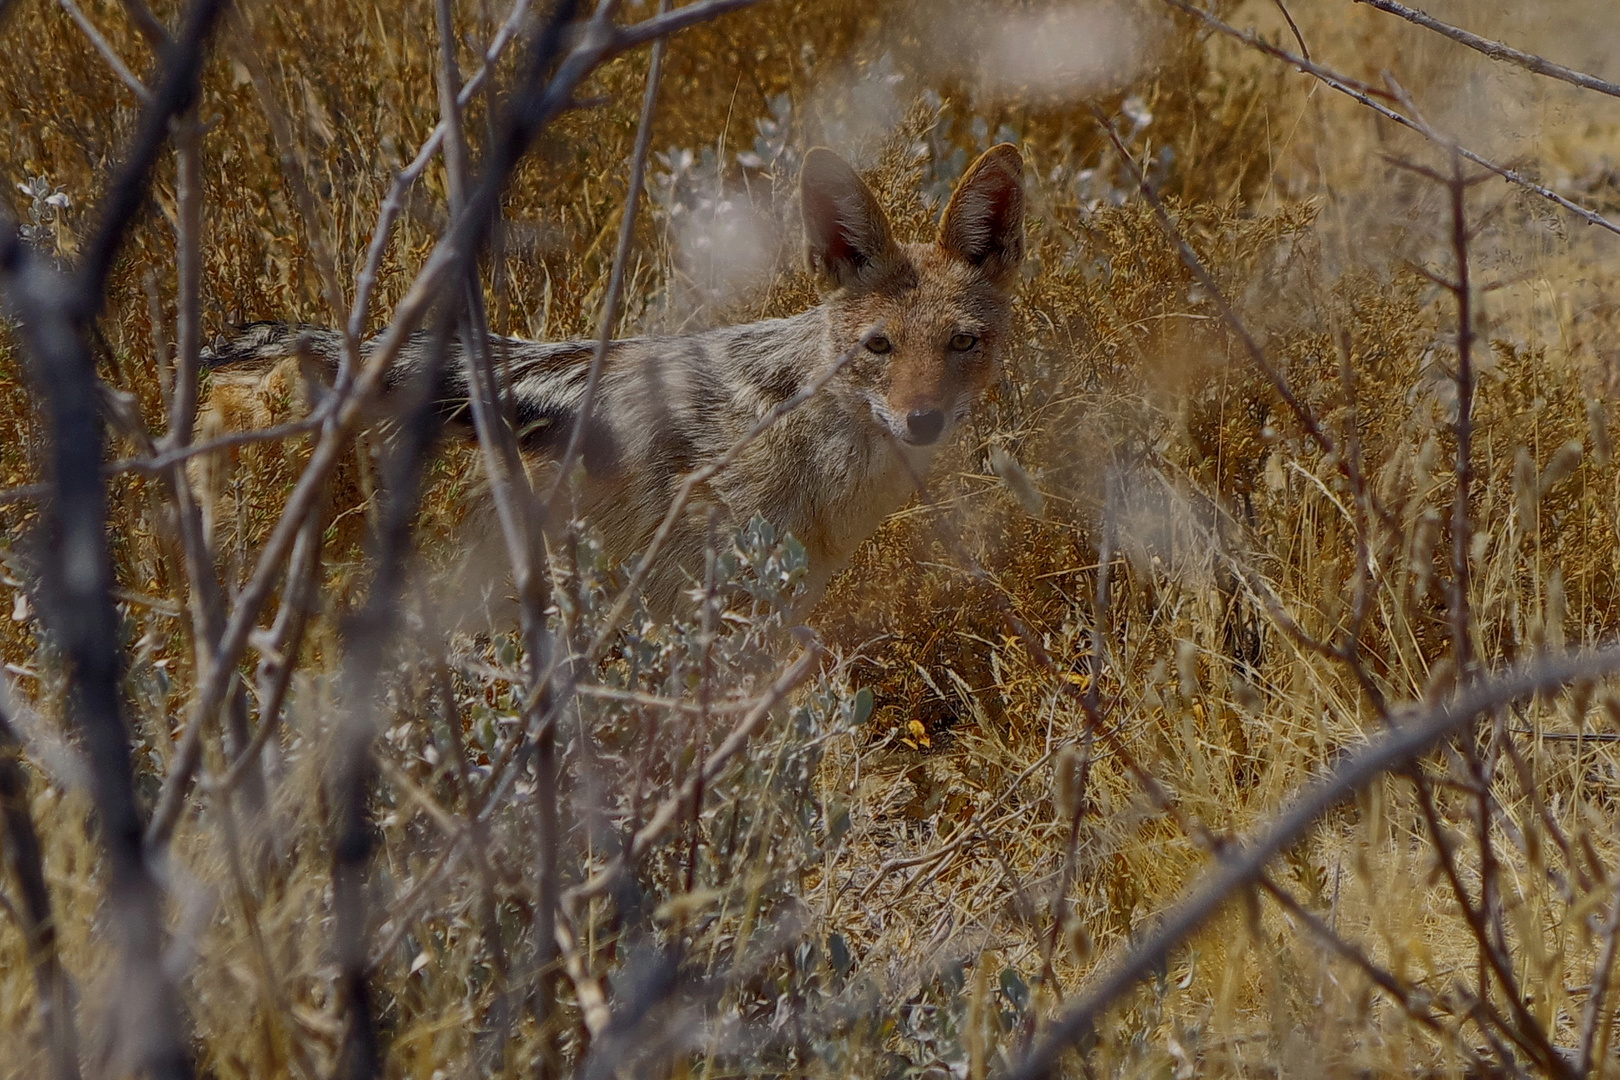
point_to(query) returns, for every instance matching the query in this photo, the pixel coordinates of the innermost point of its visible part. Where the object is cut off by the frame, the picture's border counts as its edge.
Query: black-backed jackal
(830, 471)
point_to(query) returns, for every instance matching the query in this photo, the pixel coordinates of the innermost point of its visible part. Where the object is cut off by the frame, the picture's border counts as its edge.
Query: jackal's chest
(842, 494)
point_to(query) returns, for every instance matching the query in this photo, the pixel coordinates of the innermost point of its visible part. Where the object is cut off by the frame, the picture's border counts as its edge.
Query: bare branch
(1496, 50)
(23, 854)
(175, 94)
(81, 613)
(1349, 87)
(1462, 426)
(540, 100)
(1243, 863)
(621, 256)
(108, 53)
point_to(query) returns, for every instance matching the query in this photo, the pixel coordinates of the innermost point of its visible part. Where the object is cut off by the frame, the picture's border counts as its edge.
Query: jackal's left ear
(846, 236)
(984, 223)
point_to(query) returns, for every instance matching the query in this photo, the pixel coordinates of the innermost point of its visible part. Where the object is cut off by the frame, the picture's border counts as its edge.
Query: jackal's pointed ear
(846, 236)
(984, 223)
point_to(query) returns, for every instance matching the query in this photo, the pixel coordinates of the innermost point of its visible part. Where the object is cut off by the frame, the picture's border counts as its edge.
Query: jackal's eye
(879, 345)
(963, 342)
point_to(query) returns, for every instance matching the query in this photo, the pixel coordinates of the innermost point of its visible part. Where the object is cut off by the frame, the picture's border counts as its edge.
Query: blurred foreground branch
(1415, 735)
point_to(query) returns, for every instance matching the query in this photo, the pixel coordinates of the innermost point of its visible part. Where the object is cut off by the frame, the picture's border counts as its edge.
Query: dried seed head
(1597, 419)
(1276, 475)
(1525, 490)
(1068, 783)
(1557, 609)
(1077, 938)
(1187, 668)
(1017, 479)
(1442, 677)
(1428, 460)
(1564, 462)
(1425, 538)
(1611, 709)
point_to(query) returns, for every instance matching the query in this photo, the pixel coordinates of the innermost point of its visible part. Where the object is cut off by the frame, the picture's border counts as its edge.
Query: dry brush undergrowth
(1001, 772)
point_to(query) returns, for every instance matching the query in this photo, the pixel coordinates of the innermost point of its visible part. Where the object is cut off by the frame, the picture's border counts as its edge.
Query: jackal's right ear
(846, 236)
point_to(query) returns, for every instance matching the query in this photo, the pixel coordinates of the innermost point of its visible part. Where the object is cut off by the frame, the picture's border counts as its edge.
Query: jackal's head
(943, 307)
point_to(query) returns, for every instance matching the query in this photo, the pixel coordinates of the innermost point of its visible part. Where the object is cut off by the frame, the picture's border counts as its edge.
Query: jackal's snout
(923, 426)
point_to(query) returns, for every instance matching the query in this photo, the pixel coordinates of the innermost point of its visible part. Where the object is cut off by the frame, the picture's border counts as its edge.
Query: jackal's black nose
(924, 425)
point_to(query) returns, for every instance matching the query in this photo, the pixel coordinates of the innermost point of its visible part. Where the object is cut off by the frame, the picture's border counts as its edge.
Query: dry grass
(876, 898)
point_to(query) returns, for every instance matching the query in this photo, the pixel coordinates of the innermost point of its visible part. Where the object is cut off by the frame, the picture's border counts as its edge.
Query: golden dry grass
(875, 900)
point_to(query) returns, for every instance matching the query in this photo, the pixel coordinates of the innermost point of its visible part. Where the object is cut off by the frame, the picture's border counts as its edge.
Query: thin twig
(621, 256)
(1189, 257)
(1294, 28)
(155, 33)
(394, 204)
(280, 652)
(158, 464)
(1592, 1016)
(127, 194)
(23, 854)
(515, 508)
(108, 53)
(1462, 427)
(1362, 94)
(295, 172)
(670, 812)
(1496, 50)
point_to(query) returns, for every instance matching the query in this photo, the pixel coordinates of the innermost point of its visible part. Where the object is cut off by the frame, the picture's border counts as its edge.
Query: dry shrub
(876, 898)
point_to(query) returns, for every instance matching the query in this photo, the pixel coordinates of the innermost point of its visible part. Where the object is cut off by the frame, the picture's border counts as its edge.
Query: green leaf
(838, 952)
(864, 700)
(1014, 988)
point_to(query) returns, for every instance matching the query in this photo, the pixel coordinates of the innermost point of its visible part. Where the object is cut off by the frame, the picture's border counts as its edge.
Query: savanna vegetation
(1303, 448)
